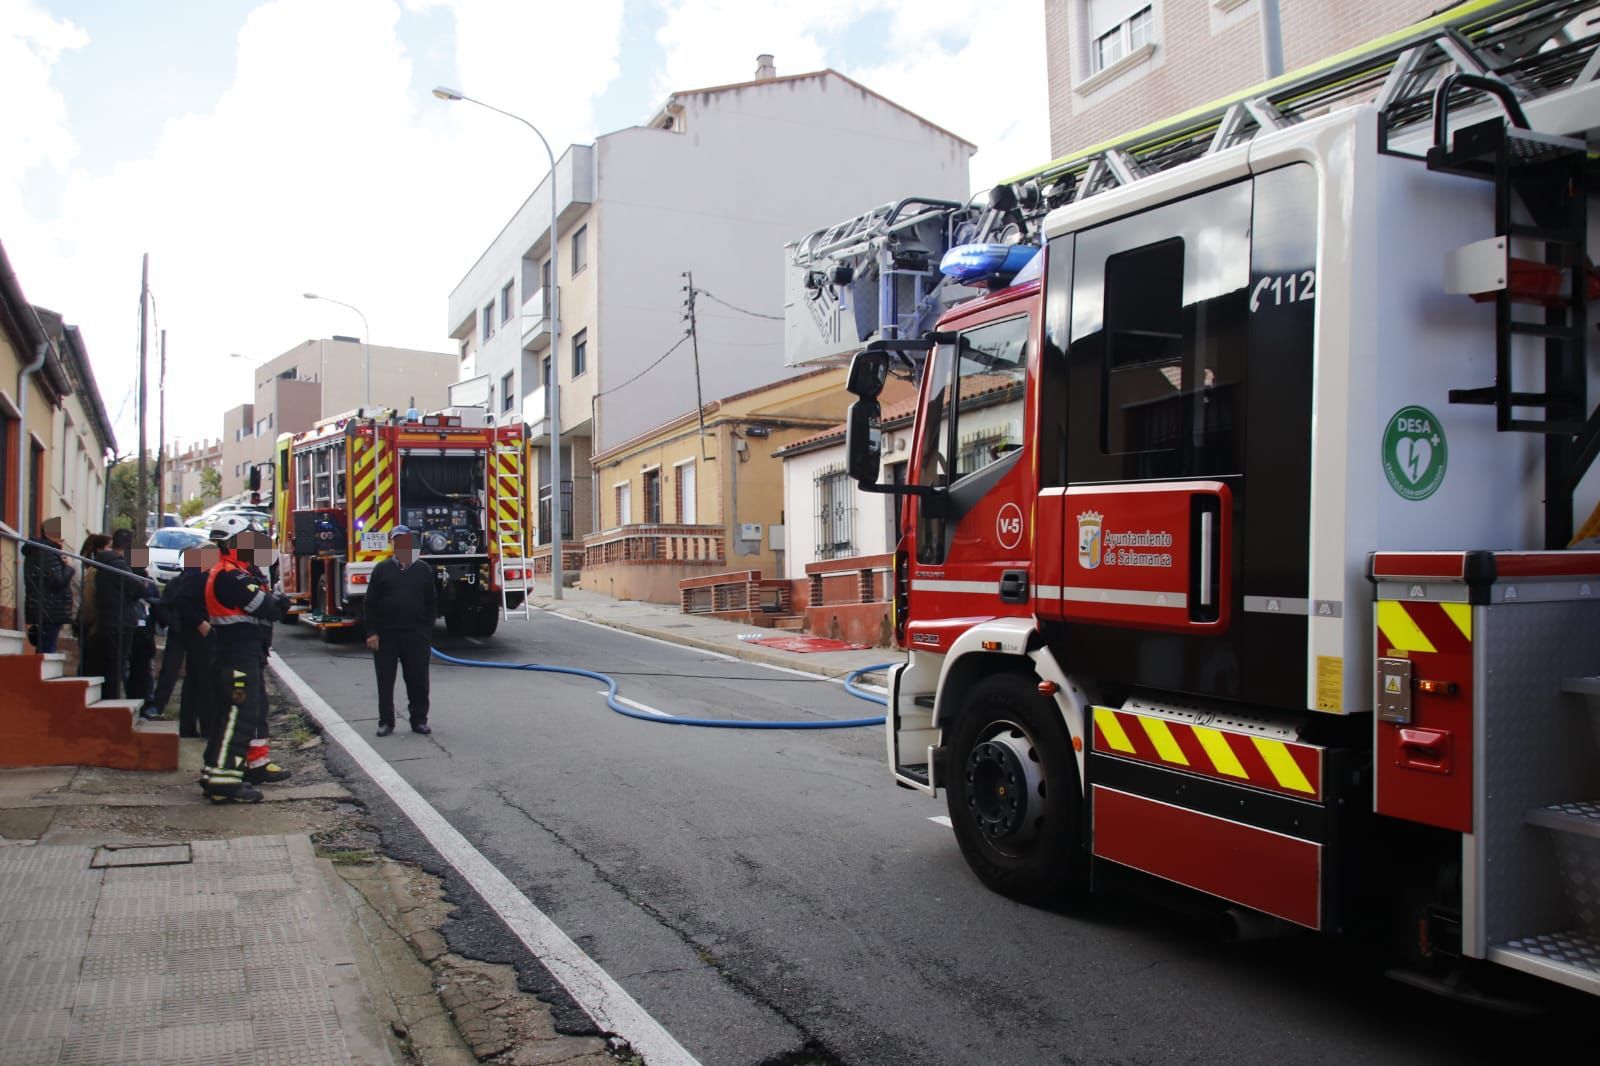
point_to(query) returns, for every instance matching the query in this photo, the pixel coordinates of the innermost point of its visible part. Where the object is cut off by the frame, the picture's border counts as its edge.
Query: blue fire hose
(704, 723)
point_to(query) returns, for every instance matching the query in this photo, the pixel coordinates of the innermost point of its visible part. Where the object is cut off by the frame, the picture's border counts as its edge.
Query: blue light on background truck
(971, 264)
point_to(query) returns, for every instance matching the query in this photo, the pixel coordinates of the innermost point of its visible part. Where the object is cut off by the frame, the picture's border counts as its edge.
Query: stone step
(91, 694)
(131, 706)
(155, 725)
(54, 665)
(13, 642)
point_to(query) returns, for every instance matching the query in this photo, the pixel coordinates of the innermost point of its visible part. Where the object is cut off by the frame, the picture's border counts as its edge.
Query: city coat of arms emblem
(1090, 539)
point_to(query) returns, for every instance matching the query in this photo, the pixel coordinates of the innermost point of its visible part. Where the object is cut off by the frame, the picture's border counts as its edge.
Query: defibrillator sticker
(1415, 453)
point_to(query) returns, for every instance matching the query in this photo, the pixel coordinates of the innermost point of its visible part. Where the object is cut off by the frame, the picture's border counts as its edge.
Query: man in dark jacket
(48, 594)
(400, 610)
(120, 614)
(184, 603)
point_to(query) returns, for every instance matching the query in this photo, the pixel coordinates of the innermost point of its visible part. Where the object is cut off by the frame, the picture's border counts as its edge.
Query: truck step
(1581, 818)
(917, 772)
(1571, 958)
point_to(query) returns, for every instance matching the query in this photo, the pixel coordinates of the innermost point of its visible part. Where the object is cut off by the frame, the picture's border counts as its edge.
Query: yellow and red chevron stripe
(1227, 755)
(508, 509)
(372, 495)
(1407, 627)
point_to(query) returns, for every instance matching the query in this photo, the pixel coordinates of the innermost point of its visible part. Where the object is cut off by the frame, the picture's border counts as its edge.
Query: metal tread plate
(1582, 817)
(1570, 958)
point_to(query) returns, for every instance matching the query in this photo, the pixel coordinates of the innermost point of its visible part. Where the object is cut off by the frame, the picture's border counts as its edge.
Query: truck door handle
(1014, 586)
(1425, 749)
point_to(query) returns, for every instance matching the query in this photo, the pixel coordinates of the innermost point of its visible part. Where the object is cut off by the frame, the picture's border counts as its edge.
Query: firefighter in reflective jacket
(237, 603)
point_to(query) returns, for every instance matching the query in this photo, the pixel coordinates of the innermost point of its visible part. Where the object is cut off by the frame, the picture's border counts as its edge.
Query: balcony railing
(858, 579)
(641, 545)
(743, 591)
(535, 320)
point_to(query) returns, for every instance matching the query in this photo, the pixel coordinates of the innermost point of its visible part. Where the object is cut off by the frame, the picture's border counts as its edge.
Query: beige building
(320, 378)
(54, 433)
(1118, 65)
(703, 493)
(184, 466)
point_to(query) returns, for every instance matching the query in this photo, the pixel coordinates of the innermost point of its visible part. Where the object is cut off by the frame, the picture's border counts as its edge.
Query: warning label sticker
(1330, 683)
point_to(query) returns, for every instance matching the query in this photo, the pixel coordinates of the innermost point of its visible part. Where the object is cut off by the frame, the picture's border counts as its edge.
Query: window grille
(836, 512)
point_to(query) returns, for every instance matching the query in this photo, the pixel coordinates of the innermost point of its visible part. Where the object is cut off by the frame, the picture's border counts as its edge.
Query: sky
(261, 149)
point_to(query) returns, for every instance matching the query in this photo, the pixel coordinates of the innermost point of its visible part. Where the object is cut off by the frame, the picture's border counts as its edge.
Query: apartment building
(54, 433)
(714, 184)
(320, 378)
(1117, 65)
(184, 466)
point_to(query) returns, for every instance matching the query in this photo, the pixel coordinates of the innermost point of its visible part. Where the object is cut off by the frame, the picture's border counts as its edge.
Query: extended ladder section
(510, 518)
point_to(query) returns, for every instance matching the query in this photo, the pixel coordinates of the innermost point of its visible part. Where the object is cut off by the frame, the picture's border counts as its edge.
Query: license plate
(374, 542)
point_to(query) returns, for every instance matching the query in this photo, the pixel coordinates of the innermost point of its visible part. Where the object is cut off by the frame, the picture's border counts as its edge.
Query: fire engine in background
(456, 483)
(1239, 493)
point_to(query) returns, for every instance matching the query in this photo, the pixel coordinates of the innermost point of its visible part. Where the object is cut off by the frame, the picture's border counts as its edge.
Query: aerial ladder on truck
(1185, 634)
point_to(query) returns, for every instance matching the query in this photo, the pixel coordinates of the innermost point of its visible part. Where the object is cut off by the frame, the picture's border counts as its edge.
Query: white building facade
(714, 185)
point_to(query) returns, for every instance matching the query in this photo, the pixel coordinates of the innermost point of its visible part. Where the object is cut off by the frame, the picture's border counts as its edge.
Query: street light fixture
(554, 322)
(366, 342)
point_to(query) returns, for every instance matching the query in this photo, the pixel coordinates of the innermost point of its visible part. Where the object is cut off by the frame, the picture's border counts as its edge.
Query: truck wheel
(455, 621)
(484, 622)
(1013, 791)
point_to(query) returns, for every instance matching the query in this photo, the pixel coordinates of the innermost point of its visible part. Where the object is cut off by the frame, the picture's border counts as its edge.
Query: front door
(1188, 442)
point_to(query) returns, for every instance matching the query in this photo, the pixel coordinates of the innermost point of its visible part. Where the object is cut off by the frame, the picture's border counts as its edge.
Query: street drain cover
(141, 855)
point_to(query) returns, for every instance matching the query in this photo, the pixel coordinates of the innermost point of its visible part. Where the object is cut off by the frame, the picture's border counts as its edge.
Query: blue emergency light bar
(974, 263)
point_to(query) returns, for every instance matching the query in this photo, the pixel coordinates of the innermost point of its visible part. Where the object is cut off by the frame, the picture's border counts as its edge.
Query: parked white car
(166, 551)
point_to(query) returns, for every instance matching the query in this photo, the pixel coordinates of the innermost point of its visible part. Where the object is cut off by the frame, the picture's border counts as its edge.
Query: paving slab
(171, 963)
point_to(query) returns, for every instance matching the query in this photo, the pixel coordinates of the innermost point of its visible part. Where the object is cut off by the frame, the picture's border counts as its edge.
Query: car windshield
(177, 538)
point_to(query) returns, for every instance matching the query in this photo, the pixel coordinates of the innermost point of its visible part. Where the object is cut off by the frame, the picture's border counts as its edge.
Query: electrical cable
(703, 723)
(647, 369)
(741, 310)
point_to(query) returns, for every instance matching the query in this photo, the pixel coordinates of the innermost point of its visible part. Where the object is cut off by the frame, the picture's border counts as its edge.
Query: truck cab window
(989, 386)
(932, 466)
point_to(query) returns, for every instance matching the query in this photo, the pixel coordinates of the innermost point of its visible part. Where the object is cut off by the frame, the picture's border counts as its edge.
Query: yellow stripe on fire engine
(1461, 615)
(1222, 756)
(1161, 736)
(1282, 765)
(1111, 729)
(1398, 628)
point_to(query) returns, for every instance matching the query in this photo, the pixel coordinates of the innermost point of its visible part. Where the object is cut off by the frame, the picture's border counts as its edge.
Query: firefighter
(236, 604)
(257, 552)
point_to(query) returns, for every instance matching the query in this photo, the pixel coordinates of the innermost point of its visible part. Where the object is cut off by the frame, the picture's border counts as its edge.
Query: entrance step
(1570, 958)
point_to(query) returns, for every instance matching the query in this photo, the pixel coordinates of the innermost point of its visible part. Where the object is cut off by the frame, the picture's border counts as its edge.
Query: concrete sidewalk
(666, 622)
(205, 952)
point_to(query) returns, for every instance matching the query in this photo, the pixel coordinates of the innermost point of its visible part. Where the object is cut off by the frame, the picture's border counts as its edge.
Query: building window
(1118, 28)
(652, 496)
(544, 382)
(580, 249)
(624, 494)
(684, 490)
(269, 421)
(466, 350)
(836, 512)
(505, 301)
(488, 320)
(508, 391)
(8, 432)
(580, 353)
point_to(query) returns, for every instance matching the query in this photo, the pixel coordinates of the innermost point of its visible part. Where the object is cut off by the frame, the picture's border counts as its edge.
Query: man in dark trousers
(400, 611)
(235, 602)
(121, 615)
(184, 603)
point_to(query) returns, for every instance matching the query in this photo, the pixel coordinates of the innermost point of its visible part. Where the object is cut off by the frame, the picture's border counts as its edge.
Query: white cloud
(320, 168)
(980, 78)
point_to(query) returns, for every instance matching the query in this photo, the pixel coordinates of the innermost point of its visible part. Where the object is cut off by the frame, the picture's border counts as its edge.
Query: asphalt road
(770, 897)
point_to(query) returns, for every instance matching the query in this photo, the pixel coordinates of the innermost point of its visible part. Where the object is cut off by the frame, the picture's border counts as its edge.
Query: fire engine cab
(454, 481)
(1274, 592)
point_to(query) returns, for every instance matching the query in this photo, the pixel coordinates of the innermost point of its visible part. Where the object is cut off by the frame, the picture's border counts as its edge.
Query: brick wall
(1201, 52)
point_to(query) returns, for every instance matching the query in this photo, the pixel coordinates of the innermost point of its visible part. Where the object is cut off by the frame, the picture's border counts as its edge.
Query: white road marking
(636, 705)
(719, 655)
(942, 819)
(607, 1003)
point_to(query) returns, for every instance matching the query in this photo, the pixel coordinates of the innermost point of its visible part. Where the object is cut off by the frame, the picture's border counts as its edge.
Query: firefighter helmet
(228, 527)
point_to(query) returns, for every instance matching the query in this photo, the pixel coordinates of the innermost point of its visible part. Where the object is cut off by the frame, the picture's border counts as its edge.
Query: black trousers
(197, 705)
(410, 650)
(114, 643)
(172, 660)
(240, 713)
(141, 660)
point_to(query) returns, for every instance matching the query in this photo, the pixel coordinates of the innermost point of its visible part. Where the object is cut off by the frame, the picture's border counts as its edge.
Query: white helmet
(227, 527)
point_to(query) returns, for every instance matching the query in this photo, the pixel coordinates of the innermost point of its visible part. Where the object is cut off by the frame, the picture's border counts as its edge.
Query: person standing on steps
(400, 609)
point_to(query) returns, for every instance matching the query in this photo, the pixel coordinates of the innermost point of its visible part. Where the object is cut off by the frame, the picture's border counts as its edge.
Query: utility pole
(161, 436)
(144, 472)
(694, 341)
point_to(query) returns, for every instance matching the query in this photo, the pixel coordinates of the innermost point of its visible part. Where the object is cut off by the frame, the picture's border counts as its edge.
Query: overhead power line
(732, 307)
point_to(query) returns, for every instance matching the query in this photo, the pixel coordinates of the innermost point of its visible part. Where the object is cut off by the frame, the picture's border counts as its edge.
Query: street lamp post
(554, 322)
(366, 343)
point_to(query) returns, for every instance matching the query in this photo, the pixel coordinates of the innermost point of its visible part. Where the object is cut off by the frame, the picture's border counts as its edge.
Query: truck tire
(1013, 794)
(483, 622)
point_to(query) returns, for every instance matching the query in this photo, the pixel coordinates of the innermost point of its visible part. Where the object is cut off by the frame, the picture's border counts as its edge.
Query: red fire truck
(455, 482)
(1277, 598)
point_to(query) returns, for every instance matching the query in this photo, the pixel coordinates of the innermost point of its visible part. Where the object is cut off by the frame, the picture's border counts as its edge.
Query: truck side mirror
(863, 441)
(868, 372)
(255, 479)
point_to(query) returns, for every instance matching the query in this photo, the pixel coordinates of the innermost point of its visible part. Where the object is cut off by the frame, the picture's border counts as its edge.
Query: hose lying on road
(704, 723)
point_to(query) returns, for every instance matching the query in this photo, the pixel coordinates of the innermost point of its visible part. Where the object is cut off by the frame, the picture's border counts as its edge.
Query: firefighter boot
(269, 774)
(236, 794)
